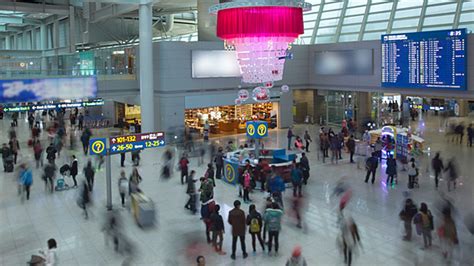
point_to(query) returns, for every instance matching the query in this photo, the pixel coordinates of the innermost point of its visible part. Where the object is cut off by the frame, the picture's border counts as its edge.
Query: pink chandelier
(260, 32)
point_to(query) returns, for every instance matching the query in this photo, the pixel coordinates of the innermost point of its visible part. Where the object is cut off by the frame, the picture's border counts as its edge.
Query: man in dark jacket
(6, 153)
(49, 172)
(237, 220)
(217, 229)
(304, 162)
(470, 135)
(351, 145)
(371, 165)
(74, 170)
(406, 215)
(391, 170)
(51, 153)
(89, 174)
(437, 165)
(219, 160)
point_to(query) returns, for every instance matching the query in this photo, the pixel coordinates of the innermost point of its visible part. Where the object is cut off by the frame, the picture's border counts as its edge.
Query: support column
(43, 47)
(55, 35)
(33, 39)
(72, 30)
(7, 43)
(15, 42)
(146, 67)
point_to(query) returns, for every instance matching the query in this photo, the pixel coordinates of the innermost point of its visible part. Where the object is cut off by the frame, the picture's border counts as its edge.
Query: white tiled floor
(179, 237)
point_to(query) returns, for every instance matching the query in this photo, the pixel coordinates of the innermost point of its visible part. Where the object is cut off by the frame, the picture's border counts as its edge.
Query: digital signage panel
(425, 60)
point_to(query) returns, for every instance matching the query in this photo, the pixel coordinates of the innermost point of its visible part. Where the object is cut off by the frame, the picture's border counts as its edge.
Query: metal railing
(101, 74)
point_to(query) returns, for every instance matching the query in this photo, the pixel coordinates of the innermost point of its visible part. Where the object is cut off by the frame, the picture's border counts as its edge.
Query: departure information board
(434, 59)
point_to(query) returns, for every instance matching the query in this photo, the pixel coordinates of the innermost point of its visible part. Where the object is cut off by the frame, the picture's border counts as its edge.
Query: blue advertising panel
(231, 171)
(433, 59)
(120, 144)
(257, 129)
(98, 146)
(37, 90)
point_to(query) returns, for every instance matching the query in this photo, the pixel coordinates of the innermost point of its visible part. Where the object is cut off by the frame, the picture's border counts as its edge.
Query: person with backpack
(255, 223)
(183, 166)
(89, 174)
(437, 165)
(412, 173)
(74, 170)
(206, 189)
(218, 230)
(296, 179)
(406, 215)
(391, 170)
(272, 219)
(424, 224)
(237, 220)
(371, 165)
(123, 186)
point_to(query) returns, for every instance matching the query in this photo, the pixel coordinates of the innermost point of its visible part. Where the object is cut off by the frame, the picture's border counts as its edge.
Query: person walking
(350, 239)
(412, 173)
(307, 139)
(218, 230)
(38, 153)
(84, 199)
(448, 234)
(246, 185)
(89, 174)
(80, 120)
(406, 215)
(289, 136)
(296, 258)
(378, 147)
(123, 186)
(122, 159)
(470, 135)
(424, 224)
(51, 153)
(183, 166)
(14, 147)
(296, 179)
(351, 147)
(452, 170)
(85, 137)
(26, 179)
(255, 224)
(272, 219)
(74, 170)
(237, 221)
(191, 191)
(304, 163)
(210, 174)
(371, 165)
(391, 170)
(219, 160)
(334, 146)
(437, 165)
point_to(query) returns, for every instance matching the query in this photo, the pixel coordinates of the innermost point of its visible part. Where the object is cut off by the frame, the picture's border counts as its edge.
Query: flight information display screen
(434, 59)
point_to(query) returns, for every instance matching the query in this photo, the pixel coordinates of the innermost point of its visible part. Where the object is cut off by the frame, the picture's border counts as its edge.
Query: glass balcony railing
(101, 74)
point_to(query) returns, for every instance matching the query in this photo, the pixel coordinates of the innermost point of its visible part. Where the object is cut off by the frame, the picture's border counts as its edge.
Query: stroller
(61, 184)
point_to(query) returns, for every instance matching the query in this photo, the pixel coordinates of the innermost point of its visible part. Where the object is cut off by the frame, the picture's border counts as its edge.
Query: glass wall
(340, 105)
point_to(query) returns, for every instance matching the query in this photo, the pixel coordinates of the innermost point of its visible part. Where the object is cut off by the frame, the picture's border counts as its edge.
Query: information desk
(275, 157)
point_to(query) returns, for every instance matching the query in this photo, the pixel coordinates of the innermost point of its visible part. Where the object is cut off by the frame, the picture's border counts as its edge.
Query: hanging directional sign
(135, 142)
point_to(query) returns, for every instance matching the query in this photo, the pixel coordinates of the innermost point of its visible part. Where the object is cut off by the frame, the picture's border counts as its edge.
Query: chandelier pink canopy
(260, 32)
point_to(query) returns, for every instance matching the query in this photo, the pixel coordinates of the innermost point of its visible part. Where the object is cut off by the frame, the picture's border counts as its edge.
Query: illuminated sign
(41, 107)
(135, 142)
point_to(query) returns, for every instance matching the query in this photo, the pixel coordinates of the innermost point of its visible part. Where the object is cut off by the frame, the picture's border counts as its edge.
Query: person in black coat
(304, 162)
(51, 153)
(219, 160)
(391, 170)
(74, 170)
(351, 147)
(89, 174)
(218, 230)
(371, 165)
(437, 165)
(210, 174)
(255, 223)
(406, 215)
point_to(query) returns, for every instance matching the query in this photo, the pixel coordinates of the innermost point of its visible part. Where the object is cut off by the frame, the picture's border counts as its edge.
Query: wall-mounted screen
(346, 62)
(434, 59)
(36, 90)
(215, 64)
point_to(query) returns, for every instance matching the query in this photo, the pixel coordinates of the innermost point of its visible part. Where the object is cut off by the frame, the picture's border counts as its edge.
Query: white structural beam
(13, 5)
(111, 11)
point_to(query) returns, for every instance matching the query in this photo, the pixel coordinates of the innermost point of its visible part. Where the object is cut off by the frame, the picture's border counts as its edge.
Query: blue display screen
(434, 59)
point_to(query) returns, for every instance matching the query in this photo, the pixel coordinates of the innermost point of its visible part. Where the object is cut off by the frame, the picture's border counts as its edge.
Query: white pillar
(7, 43)
(33, 39)
(146, 67)
(72, 30)
(43, 47)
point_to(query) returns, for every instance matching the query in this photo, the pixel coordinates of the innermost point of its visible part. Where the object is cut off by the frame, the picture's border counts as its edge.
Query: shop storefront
(130, 112)
(230, 119)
